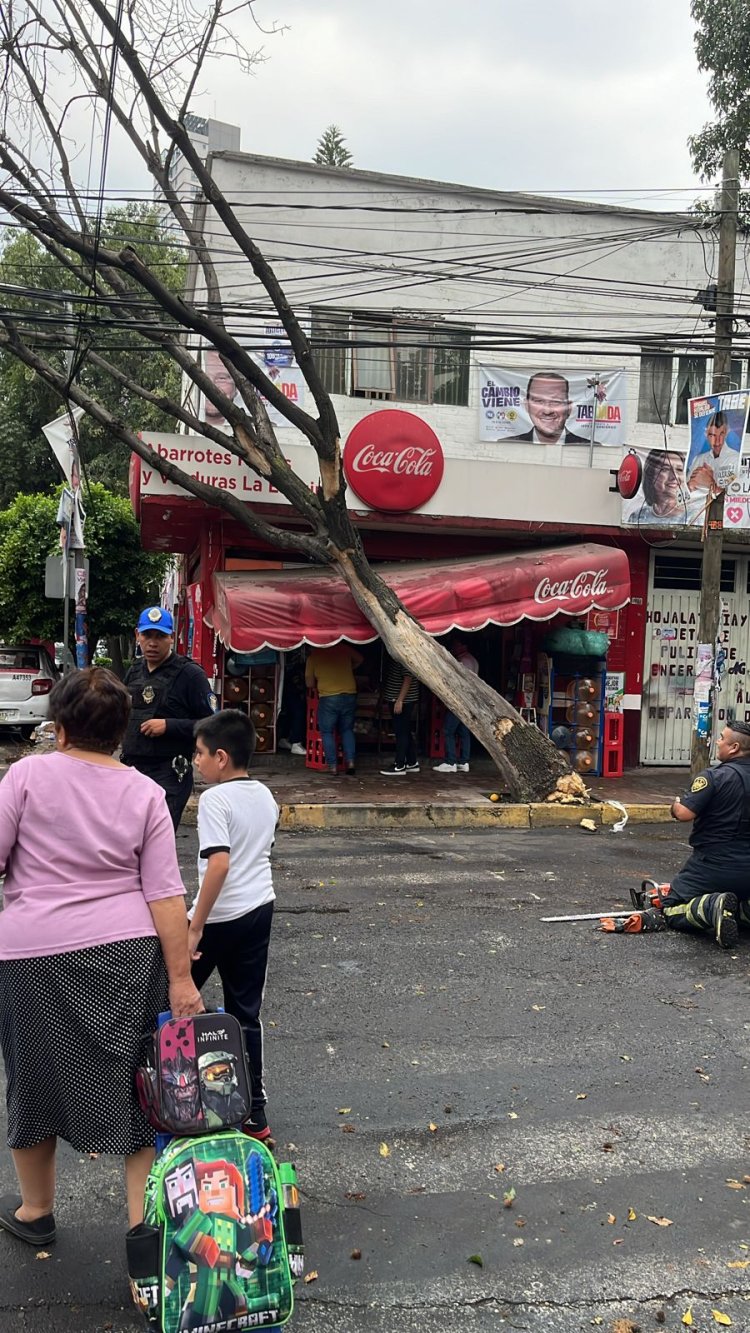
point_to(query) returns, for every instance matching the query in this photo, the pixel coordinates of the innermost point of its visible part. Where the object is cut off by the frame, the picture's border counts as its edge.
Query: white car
(27, 674)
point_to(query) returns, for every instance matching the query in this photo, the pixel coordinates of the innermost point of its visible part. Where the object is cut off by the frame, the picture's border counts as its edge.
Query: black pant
(406, 745)
(691, 901)
(177, 790)
(239, 951)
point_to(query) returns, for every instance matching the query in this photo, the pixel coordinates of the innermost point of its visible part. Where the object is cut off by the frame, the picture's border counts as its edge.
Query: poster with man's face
(545, 407)
(718, 422)
(272, 353)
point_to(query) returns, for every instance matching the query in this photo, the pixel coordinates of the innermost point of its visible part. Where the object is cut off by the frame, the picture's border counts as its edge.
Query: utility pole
(710, 601)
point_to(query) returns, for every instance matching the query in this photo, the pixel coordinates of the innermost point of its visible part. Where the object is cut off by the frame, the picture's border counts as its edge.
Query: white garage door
(671, 643)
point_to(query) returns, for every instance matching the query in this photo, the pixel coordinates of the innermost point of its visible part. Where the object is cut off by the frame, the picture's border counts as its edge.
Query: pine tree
(332, 150)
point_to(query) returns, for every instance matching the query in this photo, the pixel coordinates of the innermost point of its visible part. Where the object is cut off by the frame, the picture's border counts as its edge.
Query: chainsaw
(646, 915)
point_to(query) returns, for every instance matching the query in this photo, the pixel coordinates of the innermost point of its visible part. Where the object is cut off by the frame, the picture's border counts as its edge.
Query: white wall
(493, 268)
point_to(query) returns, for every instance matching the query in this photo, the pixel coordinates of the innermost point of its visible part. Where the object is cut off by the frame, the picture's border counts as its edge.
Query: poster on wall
(271, 351)
(664, 499)
(551, 406)
(718, 422)
(676, 488)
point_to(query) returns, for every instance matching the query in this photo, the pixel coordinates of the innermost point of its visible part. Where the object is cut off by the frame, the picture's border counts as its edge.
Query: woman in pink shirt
(93, 945)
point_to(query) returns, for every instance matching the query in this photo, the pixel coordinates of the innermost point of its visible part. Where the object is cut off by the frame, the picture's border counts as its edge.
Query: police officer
(170, 694)
(711, 891)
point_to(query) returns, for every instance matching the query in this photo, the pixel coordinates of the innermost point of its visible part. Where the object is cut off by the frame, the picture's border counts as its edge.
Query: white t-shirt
(238, 817)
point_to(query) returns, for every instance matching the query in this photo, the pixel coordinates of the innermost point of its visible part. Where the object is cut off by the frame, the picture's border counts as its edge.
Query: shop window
(655, 387)
(402, 360)
(682, 573)
(691, 383)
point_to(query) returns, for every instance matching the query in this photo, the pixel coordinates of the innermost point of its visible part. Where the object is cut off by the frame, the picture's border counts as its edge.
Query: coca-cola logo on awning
(587, 584)
(393, 460)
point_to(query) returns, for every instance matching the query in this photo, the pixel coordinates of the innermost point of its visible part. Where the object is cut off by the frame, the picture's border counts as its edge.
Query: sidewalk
(309, 799)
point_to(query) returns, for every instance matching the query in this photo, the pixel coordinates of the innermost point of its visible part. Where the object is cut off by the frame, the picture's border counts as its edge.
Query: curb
(460, 817)
(340, 816)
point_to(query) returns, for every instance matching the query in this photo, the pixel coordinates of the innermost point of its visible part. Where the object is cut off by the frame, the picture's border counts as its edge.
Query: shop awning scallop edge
(285, 608)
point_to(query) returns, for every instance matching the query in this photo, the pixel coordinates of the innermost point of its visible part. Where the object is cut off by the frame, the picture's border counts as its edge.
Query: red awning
(285, 608)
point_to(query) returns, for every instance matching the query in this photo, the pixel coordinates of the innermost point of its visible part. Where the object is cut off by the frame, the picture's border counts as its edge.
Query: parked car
(27, 674)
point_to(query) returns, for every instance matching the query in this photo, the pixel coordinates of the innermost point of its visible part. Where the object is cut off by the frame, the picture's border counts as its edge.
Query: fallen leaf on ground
(42, 1254)
(538, 1008)
(345, 1110)
(687, 1318)
(608, 1147)
(589, 825)
(520, 1222)
(386, 1045)
(734, 1184)
(508, 1198)
(312, 1276)
(739, 1263)
(518, 1241)
(626, 1058)
(581, 1096)
(355, 1195)
(347, 1129)
(611, 1219)
(384, 1150)
(632, 1214)
(500, 1166)
(433, 1127)
(512, 1115)
(721, 1318)
(356, 1254)
(660, 1221)
(476, 1259)
(625, 1326)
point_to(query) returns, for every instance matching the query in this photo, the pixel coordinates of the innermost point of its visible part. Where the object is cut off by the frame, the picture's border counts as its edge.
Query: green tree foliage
(722, 42)
(123, 577)
(332, 150)
(26, 403)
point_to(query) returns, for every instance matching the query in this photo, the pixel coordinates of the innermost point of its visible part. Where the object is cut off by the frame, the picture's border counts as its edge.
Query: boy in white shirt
(230, 920)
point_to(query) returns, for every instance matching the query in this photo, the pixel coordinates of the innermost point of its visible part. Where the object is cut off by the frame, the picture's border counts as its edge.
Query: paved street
(414, 984)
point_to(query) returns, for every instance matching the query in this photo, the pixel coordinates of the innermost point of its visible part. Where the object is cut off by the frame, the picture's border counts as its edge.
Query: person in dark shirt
(170, 694)
(710, 892)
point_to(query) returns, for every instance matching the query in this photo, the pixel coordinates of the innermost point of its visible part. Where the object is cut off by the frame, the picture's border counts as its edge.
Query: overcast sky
(547, 95)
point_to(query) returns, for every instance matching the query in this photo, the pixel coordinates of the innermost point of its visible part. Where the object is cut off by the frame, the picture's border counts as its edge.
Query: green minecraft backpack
(220, 1246)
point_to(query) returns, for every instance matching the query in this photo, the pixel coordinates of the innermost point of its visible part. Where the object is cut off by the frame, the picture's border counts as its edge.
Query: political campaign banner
(664, 498)
(718, 422)
(552, 406)
(270, 349)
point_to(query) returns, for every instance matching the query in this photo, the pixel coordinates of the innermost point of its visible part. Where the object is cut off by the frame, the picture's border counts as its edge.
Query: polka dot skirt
(72, 1030)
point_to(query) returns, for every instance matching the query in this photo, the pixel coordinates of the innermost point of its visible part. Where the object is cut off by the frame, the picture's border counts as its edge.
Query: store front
(671, 651)
(526, 616)
(471, 544)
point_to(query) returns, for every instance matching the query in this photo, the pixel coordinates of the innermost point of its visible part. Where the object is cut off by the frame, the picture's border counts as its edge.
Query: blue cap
(156, 617)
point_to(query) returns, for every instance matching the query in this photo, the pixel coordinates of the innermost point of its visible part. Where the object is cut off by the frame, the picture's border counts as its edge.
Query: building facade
(477, 314)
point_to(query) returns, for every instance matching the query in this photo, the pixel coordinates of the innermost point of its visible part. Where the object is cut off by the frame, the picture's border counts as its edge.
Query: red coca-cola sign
(629, 475)
(589, 583)
(393, 460)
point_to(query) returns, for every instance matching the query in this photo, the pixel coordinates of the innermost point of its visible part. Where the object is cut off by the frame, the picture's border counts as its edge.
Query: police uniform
(720, 839)
(177, 690)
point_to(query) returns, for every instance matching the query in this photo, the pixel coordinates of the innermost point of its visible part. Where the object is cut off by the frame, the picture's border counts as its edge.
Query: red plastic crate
(612, 765)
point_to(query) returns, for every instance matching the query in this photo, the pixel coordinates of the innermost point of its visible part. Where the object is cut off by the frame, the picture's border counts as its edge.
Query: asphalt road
(603, 1079)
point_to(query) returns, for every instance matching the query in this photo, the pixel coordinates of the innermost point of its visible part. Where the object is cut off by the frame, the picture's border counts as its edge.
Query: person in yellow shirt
(331, 672)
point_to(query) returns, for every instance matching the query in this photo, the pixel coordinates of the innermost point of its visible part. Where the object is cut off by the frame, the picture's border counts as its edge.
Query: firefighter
(711, 891)
(170, 694)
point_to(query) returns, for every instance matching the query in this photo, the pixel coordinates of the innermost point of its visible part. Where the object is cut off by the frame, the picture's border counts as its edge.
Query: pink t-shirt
(86, 848)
